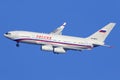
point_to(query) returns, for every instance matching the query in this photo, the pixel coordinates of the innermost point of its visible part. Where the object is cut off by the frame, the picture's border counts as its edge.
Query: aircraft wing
(59, 30)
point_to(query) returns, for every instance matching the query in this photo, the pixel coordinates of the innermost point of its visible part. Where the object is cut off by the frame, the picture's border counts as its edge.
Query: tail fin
(102, 34)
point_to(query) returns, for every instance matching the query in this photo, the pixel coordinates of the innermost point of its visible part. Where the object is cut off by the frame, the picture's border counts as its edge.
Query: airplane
(58, 43)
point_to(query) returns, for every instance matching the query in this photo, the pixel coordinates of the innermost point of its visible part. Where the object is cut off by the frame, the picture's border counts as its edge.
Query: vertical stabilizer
(102, 34)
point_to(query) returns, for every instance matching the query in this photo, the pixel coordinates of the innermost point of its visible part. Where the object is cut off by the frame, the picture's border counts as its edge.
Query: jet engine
(47, 47)
(59, 50)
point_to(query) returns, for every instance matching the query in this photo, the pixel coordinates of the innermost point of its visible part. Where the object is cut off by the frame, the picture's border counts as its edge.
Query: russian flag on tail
(103, 31)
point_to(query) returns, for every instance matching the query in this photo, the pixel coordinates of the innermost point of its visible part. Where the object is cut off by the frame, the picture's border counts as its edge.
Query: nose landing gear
(17, 45)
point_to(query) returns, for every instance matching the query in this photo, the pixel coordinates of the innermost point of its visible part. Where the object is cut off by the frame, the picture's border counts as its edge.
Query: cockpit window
(7, 33)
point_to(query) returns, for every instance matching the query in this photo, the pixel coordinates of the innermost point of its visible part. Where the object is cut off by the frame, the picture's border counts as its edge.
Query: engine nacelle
(47, 47)
(59, 50)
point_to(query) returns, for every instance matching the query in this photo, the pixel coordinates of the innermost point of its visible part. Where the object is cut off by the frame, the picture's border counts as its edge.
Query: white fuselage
(59, 43)
(67, 42)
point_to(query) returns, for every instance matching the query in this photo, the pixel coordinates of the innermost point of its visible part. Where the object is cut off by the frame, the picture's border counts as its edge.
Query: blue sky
(83, 17)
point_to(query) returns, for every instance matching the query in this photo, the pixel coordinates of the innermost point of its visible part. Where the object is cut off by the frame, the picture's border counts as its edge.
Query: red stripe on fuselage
(86, 46)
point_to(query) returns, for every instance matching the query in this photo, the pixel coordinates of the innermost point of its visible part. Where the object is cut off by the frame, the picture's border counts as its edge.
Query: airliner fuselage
(57, 42)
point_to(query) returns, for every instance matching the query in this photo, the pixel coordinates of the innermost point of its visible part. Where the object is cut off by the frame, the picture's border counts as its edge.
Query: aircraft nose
(7, 35)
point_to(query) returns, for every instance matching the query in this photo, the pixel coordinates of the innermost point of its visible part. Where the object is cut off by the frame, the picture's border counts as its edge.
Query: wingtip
(113, 23)
(64, 23)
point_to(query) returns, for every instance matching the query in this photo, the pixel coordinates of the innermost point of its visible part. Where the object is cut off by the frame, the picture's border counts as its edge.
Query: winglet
(64, 23)
(59, 30)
